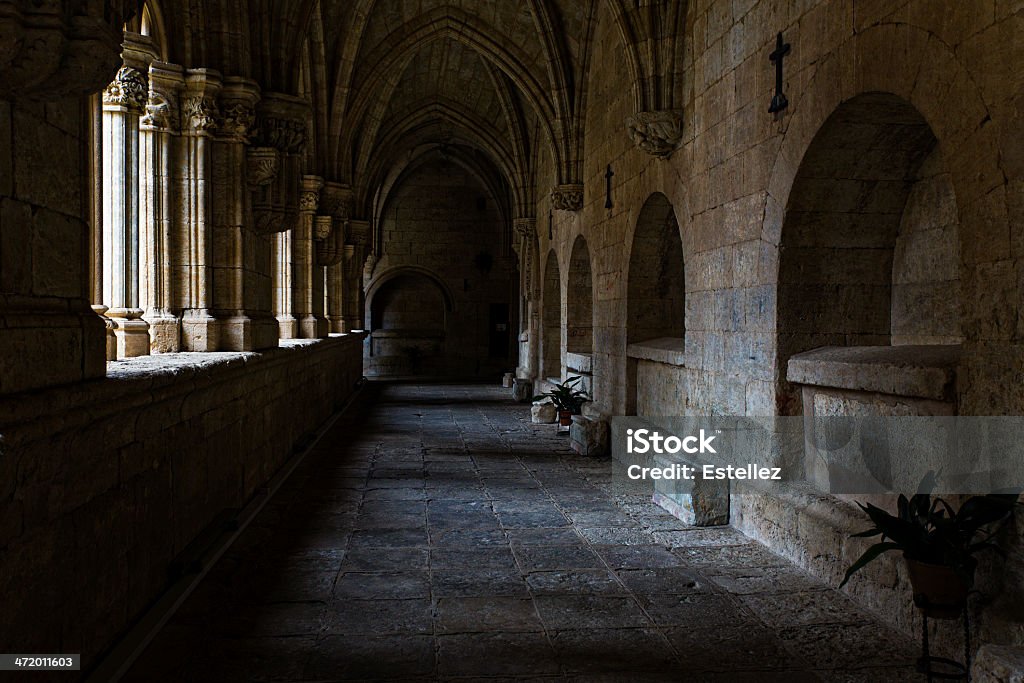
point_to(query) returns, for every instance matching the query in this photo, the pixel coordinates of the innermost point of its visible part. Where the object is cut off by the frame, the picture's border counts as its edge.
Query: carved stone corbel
(567, 197)
(238, 100)
(127, 90)
(656, 132)
(275, 177)
(161, 110)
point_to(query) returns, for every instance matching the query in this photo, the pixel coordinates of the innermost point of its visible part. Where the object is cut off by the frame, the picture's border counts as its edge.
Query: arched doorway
(551, 339)
(656, 296)
(579, 345)
(408, 318)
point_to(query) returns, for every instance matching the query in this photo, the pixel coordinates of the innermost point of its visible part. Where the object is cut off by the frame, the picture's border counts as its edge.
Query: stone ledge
(582, 363)
(919, 371)
(137, 381)
(667, 350)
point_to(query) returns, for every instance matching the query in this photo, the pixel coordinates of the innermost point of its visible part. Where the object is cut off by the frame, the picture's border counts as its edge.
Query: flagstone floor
(436, 534)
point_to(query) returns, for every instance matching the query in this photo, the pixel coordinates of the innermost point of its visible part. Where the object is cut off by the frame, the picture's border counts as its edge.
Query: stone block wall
(104, 483)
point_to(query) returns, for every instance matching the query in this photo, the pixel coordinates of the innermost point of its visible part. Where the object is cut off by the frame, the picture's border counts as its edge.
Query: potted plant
(567, 399)
(938, 544)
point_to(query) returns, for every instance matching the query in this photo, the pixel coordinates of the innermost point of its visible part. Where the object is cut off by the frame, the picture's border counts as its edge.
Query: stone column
(529, 336)
(158, 130)
(123, 101)
(199, 115)
(335, 202)
(355, 258)
(311, 325)
(288, 324)
(239, 253)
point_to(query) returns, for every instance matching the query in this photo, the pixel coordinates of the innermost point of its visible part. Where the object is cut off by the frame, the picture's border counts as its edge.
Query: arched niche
(551, 334)
(408, 319)
(869, 279)
(655, 298)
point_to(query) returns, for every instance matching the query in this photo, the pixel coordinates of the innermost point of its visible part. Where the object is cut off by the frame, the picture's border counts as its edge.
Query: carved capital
(567, 197)
(238, 101)
(128, 90)
(525, 227)
(336, 200)
(161, 111)
(656, 132)
(358, 233)
(199, 104)
(309, 197)
(262, 165)
(322, 226)
(282, 122)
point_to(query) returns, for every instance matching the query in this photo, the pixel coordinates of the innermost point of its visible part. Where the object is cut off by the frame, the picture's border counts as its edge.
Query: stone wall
(104, 483)
(444, 228)
(837, 222)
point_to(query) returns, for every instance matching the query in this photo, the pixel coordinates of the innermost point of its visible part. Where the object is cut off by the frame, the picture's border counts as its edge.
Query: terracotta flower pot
(939, 592)
(565, 417)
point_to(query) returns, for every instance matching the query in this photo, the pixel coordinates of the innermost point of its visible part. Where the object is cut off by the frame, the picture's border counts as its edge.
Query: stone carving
(159, 112)
(322, 226)
(51, 49)
(656, 132)
(199, 113)
(128, 90)
(237, 120)
(336, 200)
(525, 227)
(262, 164)
(309, 201)
(287, 135)
(567, 197)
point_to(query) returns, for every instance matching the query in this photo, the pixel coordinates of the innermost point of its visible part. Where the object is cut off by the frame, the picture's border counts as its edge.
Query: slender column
(529, 337)
(355, 259)
(239, 257)
(199, 331)
(122, 105)
(311, 325)
(283, 269)
(335, 202)
(158, 129)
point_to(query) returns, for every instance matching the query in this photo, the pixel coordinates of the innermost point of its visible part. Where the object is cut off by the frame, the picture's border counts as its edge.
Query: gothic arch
(390, 274)
(551, 322)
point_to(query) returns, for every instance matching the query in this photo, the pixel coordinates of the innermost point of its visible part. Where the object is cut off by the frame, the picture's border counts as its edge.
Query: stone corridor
(435, 534)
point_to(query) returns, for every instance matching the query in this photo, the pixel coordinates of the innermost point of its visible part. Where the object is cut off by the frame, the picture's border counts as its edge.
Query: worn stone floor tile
(496, 557)
(571, 612)
(539, 536)
(480, 655)
(575, 582)
(378, 617)
(747, 580)
(664, 580)
(709, 610)
(780, 610)
(382, 586)
(610, 650)
(848, 646)
(539, 558)
(637, 556)
(486, 614)
(731, 647)
(438, 535)
(384, 559)
(344, 658)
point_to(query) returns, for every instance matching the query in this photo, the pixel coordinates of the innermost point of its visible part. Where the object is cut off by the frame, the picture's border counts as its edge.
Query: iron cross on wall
(608, 187)
(779, 102)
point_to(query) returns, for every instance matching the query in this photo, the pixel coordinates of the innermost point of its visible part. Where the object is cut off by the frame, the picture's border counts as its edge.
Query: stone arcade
(217, 217)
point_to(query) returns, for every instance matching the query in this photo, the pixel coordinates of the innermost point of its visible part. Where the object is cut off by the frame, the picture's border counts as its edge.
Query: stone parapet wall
(104, 483)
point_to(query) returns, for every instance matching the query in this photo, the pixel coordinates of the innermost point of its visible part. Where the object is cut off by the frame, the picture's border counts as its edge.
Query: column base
(245, 333)
(313, 327)
(336, 324)
(111, 339)
(199, 332)
(132, 336)
(164, 333)
(288, 327)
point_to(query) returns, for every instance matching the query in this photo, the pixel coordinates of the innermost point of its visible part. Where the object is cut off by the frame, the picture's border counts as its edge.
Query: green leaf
(869, 555)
